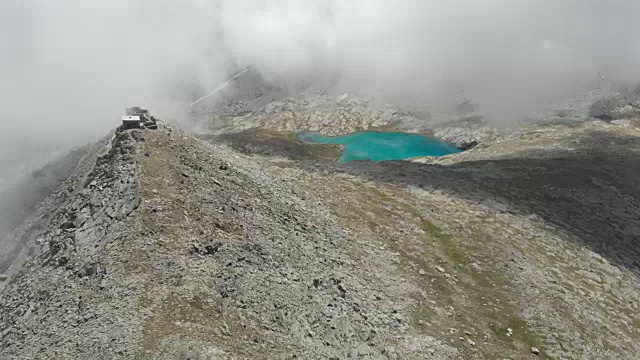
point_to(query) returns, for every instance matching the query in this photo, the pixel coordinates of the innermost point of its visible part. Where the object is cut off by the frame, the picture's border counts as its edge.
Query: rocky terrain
(346, 114)
(24, 199)
(245, 243)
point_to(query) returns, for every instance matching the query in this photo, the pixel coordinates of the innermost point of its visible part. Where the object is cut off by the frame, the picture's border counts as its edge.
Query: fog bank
(71, 66)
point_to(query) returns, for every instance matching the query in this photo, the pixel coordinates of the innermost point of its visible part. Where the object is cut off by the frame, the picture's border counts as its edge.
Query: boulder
(604, 109)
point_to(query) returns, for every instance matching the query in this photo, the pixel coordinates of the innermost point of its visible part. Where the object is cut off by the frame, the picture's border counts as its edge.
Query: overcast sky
(69, 67)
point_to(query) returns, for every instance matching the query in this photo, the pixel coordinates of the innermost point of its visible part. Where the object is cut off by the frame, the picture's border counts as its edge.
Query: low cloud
(71, 66)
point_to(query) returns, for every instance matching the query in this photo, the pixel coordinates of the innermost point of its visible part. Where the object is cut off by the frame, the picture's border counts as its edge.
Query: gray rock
(604, 108)
(471, 342)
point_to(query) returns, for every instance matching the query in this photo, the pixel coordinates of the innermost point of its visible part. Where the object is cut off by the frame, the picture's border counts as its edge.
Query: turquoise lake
(383, 146)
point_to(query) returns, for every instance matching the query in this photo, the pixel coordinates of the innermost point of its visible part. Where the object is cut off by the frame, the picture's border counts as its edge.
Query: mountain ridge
(170, 246)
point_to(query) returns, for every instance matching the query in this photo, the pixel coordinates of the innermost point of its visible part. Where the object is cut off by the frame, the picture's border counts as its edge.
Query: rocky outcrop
(21, 200)
(467, 133)
(624, 105)
(310, 112)
(42, 308)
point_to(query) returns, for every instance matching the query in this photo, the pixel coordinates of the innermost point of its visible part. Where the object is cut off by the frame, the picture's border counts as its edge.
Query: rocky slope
(172, 247)
(36, 197)
(162, 245)
(537, 234)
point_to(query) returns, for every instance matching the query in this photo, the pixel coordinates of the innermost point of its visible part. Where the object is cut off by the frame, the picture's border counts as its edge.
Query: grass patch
(274, 143)
(522, 339)
(267, 134)
(481, 303)
(172, 320)
(450, 247)
(137, 262)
